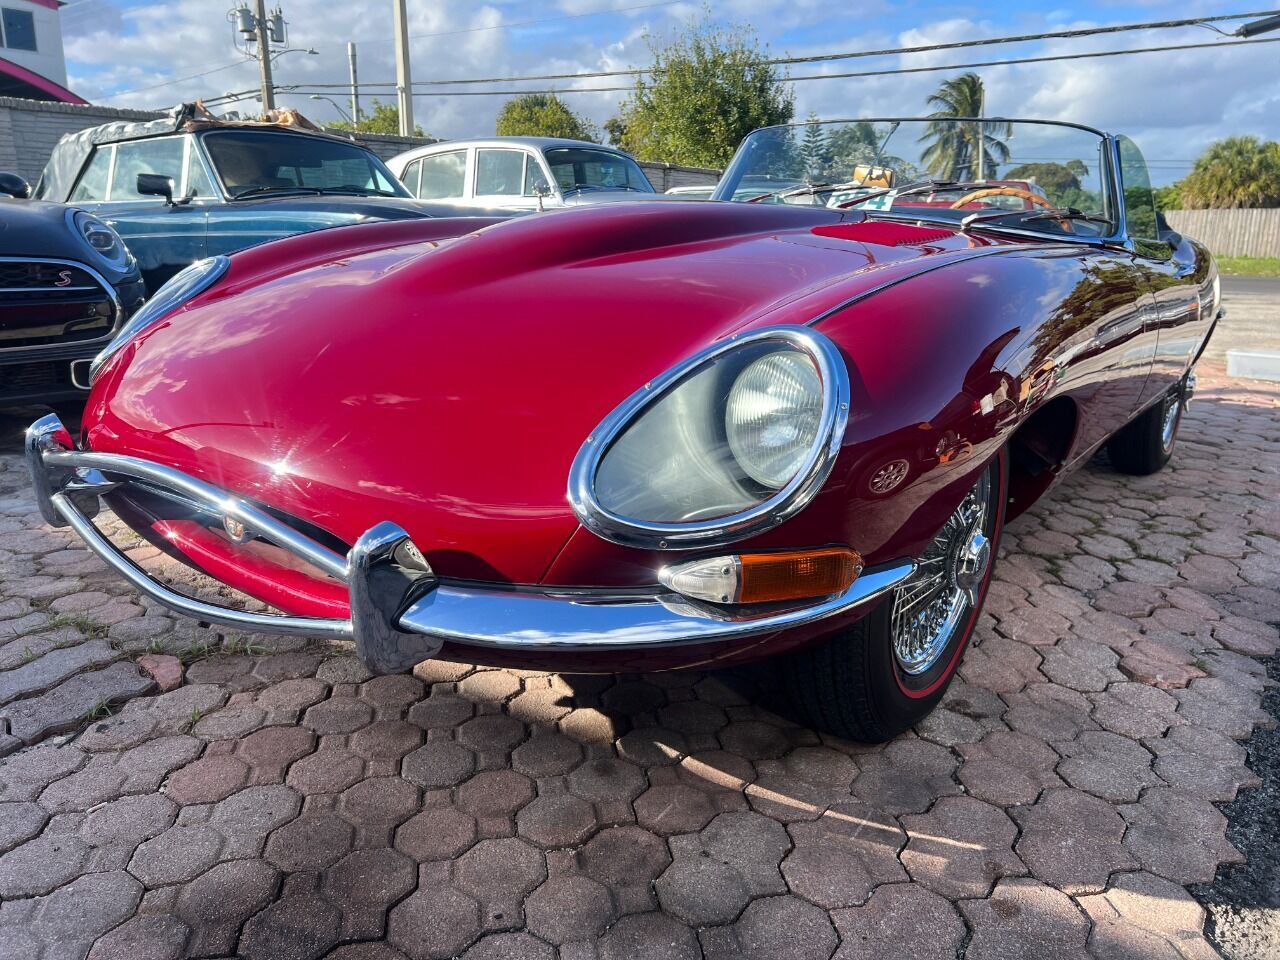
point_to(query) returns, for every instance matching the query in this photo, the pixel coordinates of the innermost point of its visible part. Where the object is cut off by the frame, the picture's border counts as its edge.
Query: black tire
(853, 686)
(1143, 446)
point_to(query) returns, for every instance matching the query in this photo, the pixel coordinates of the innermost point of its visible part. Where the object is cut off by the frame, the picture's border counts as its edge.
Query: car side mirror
(541, 190)
(14, 186)
(155, 185)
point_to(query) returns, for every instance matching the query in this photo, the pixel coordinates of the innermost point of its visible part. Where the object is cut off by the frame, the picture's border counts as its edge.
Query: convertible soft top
(73, 150)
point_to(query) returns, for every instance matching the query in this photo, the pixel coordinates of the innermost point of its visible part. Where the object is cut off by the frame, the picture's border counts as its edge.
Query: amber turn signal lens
(797, 574)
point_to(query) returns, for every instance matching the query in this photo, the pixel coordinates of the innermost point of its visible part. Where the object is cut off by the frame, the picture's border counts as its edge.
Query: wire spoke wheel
(931, 606)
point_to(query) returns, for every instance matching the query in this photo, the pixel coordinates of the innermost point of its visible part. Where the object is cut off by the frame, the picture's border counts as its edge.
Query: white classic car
(521, 173)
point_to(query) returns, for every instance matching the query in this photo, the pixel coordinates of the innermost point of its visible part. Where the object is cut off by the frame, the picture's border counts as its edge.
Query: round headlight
(730, 442)
(772, 416)
(103, 240)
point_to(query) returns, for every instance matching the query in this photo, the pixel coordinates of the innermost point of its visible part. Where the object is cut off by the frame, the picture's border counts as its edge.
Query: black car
(193, 185)
(67, 283)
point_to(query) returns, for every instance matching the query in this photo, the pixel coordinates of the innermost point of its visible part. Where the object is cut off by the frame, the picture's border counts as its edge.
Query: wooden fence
(1231, 233)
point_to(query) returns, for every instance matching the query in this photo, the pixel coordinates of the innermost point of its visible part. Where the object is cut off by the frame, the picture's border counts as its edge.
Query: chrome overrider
(401, 614)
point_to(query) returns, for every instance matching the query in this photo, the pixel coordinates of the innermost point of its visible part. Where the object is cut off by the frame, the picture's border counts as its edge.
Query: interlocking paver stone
(1072, 840)
(435, 922)
(54, 667)
(960, 847)
(568, 908)
(784, 928)
(1177, 836)
(626, 859)
(143, 937)
(900, 920)
(292, 928)
(207, 780)
(180, 853)
(66, 705)
(365, 883)
(1025, 920)
(500, 874)
(217, 903)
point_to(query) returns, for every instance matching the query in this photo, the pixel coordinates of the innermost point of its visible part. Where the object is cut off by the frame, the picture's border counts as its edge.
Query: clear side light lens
(772, 416)
(714, 580)
(765, 577)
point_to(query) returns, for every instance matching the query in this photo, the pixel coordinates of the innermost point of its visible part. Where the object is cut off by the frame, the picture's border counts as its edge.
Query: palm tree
(1239, 171)
(953, 151)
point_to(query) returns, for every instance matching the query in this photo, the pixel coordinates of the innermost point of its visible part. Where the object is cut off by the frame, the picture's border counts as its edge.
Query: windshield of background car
(580, 168)
(259, 161)
(1012, 172)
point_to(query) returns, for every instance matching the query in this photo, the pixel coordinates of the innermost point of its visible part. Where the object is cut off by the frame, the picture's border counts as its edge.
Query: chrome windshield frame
(1110, 181)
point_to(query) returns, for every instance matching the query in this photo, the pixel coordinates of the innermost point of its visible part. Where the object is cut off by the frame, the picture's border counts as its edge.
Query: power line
(891, 51)
(416, 36)
(194, 76)
(816, 76)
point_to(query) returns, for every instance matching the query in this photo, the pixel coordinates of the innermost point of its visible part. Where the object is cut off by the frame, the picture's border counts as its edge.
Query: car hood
(446, 383)
(31, 229)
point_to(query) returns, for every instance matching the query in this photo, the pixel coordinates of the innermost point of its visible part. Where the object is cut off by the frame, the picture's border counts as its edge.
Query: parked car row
(622, 436)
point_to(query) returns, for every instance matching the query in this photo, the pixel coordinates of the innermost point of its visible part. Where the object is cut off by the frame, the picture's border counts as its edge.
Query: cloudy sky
(151, 54)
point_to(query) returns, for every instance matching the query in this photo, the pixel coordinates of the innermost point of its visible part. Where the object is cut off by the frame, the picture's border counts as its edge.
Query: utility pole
(355, 88)
(264, 57)
(404, 83)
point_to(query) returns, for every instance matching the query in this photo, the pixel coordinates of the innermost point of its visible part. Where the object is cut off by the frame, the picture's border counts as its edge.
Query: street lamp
(344, 114)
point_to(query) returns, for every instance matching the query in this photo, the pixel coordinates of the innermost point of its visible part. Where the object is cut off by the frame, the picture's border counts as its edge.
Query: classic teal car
(194, 186)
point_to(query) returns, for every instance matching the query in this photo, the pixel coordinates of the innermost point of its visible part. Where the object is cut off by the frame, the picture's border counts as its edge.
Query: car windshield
(259, 163)
(1043, 176)
(582, 168)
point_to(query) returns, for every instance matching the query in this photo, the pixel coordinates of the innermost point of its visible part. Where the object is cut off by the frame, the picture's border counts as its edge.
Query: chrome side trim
(520, 620)
(788, 501)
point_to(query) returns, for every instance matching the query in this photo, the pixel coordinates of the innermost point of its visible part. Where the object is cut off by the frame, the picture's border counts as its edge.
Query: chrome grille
(53, 302)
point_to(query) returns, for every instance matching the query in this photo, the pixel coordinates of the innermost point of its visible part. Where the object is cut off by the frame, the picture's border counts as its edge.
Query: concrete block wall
(30, 128)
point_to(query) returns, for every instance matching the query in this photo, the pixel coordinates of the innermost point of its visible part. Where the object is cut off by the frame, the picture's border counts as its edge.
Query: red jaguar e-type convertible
(658, 435)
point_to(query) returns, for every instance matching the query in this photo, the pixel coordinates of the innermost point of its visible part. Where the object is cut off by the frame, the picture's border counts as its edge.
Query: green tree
(707, 91)
(952, 153)
(543, 115)
(1235, 172)
(385, 118)
(813, 150)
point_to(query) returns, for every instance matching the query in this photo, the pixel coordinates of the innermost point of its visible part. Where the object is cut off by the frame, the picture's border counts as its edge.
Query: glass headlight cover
(730, 442)
(101, 238)
(187, 283)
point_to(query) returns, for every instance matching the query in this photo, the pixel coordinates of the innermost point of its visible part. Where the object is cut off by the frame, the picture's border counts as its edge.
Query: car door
(443, 176)
(163, 237)
(1180, 317)
(505, 177)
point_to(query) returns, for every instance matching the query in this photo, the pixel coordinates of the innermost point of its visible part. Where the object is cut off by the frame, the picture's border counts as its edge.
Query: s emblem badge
(64, 279)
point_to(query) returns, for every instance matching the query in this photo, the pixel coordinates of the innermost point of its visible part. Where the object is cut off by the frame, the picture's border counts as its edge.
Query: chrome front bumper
(394, 629)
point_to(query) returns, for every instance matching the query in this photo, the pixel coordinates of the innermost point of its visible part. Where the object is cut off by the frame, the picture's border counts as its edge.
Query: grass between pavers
(1249, 266)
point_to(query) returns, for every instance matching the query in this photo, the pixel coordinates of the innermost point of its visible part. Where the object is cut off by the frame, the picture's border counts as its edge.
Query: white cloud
(1173, 104)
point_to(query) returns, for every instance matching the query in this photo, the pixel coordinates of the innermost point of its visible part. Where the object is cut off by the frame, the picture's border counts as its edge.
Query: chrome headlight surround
(109, 249)
(771, 511)
(183, 286)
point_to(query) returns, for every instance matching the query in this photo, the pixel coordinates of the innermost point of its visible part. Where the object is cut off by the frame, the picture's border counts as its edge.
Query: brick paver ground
(282, 804)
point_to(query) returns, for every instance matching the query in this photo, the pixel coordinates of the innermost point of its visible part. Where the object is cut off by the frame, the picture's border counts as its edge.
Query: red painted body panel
(409, 372)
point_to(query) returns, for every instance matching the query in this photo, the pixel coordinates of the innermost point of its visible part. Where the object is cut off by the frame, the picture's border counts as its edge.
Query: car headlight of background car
(181, 287)
(733, 441)
(102, 240)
